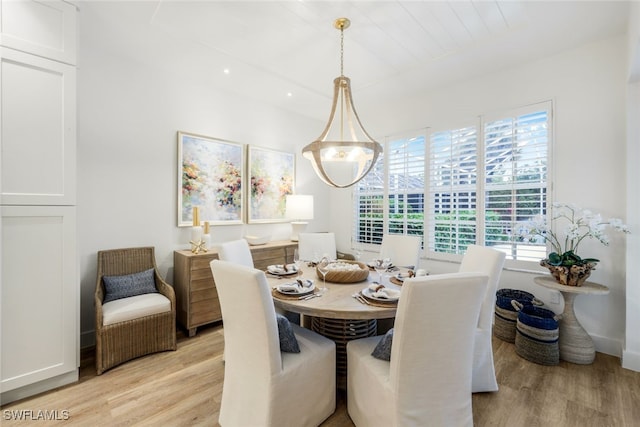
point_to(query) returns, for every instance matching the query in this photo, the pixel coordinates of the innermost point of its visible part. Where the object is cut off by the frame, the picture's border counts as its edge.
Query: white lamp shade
(299, 207)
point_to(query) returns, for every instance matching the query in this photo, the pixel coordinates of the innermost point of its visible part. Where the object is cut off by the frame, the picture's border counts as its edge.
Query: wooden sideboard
(196, 295)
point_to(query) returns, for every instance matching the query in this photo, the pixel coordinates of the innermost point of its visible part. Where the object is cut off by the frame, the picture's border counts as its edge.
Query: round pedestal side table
(575, 344)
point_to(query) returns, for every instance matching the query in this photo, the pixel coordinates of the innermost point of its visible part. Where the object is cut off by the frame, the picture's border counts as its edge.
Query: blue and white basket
(537, 334)
(504, 325)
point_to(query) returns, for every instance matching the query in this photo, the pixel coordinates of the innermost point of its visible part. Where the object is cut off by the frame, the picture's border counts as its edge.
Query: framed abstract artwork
(210, 177)
(271, 176)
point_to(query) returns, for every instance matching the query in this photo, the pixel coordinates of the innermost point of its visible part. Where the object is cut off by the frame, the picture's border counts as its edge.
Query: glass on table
(297, 261)
(381, 265)
(323, 268)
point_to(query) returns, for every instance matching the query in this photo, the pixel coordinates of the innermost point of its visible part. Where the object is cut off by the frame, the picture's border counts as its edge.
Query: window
(406, 185)
(369, 206)
(515, 184)
(397, 208)
(453, 179)
(456, 187)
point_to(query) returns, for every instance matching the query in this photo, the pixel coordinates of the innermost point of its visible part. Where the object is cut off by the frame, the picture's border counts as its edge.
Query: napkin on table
(387, 294)
(379, 291)
(300, 285)
(281, 268)
(289, 287)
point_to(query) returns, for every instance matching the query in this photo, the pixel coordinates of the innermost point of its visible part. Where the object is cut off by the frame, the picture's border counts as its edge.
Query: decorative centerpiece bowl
(574, 275)
(345, 271)
(257, 240)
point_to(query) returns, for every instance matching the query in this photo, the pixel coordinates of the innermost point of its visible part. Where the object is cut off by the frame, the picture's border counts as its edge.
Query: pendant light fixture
(344, 141)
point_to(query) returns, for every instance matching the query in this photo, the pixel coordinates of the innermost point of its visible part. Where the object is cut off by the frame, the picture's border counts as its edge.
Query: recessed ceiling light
(226, 71)
(289, 94)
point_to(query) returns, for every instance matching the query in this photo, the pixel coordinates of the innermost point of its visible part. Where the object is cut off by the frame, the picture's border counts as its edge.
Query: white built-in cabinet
(39, 284)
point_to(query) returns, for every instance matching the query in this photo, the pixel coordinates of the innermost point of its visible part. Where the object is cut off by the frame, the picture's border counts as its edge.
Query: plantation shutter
(406, 185)
(369, 206)
(515, 169)
(452, 186)
(473, 184)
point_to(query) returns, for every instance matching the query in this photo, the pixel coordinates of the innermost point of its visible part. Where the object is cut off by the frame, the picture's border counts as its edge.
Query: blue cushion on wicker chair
(130, 285)
(288, 341)
(383, 349)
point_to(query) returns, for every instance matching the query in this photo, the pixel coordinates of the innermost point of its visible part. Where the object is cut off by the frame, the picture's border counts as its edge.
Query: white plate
(305, 291)
(395, 294)
(400, 277)
(275, 272)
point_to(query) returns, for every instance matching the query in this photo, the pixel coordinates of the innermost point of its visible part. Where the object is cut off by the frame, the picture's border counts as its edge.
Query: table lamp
(299, 209)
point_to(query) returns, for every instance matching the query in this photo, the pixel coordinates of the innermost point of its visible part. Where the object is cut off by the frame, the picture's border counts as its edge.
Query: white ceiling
(392, 49)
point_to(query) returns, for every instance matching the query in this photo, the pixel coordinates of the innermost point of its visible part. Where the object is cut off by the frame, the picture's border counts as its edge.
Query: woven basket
(505, 296)
(347, 276)
(537, 334)
(504, 324)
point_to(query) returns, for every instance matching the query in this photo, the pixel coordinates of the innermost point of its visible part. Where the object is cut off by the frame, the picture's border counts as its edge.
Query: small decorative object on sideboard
(197, 245)
(564, 263)
(206, 236)
(257, 240)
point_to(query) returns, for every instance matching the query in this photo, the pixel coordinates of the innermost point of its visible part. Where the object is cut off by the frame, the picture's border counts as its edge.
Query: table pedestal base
(575, 344)
(341, 331)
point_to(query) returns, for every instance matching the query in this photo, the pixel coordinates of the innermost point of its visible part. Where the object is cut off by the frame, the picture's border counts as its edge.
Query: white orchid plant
(580, 224)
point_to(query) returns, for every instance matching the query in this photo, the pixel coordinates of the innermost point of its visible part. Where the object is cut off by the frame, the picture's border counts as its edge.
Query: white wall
(588, 87)
(128, 119)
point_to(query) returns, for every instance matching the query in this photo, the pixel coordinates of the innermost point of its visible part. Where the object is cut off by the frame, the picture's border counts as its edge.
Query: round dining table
(337, 314)
(337, 302)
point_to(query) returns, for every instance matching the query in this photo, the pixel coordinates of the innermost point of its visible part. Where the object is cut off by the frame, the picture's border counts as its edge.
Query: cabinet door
(38, 140)
(43, 28)
(39, 295)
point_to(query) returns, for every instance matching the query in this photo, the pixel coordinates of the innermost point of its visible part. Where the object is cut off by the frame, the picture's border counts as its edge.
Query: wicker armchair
(125, 340)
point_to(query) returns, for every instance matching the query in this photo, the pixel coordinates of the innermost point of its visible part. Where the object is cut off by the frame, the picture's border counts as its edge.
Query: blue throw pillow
(383, 349)
(117, 287)
(288, 341)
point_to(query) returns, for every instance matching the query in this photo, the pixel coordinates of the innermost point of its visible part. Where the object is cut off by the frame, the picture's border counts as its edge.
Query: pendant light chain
(342, 75)
(341, 51)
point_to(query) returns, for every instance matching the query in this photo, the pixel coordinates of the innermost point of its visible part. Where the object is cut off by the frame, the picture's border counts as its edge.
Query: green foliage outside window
(454, 232)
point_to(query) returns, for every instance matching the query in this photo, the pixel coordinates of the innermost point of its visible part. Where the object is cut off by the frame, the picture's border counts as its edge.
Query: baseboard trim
(631, 360)
(606, 345)
(39, 387)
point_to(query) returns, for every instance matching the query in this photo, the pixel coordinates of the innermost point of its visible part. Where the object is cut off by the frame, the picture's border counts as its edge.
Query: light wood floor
(183, 388)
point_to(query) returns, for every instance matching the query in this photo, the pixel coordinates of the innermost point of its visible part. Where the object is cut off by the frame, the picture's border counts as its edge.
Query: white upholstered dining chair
(313, 246)
(262, 385)
(427, 381)
(236, 251)
(484, 260)
(404, 250)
